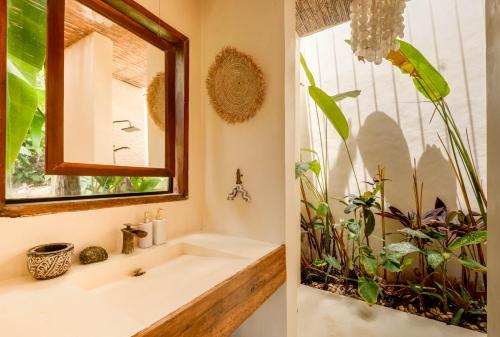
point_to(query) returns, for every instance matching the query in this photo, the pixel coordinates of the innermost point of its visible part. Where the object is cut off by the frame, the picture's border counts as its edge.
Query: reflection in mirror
(114, 96)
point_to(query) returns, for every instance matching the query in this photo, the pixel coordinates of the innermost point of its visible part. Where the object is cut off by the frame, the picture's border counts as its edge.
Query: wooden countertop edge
(222, 309)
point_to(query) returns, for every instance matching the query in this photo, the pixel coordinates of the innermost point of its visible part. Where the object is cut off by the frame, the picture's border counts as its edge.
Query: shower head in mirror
(129, 128)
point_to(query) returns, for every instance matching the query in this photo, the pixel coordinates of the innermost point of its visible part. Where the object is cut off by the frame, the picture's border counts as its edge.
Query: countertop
(92, 300)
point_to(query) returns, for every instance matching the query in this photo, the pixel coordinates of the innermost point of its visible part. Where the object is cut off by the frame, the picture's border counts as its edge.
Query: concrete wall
(323, 314)
(102, 227)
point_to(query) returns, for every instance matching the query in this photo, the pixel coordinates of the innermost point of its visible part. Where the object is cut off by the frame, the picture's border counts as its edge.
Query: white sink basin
(121, 267)
(174, 275)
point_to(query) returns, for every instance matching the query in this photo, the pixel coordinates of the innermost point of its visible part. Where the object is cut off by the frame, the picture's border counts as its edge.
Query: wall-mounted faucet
(239, 189)
(128, 238)
(116, 149)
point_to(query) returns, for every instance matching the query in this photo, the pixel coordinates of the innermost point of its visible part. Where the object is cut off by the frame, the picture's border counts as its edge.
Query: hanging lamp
(375, 26)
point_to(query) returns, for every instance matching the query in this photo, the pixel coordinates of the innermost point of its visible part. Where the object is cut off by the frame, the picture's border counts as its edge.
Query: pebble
(443, 318)
(332, 288)
(412, 309)
(473, 327)
(435, 311)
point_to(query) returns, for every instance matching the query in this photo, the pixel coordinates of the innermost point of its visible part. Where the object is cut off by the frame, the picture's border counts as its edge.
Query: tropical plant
(112, 184)
(432, 85)
(342, 251)
(26, 23)
(29, 166)
(360, 261)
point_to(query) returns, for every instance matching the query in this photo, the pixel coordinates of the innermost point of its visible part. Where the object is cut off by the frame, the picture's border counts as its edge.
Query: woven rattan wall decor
(235, 86)
(156, 100)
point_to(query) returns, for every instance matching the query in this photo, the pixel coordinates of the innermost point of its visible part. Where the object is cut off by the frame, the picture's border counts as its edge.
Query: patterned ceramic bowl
(50, 260)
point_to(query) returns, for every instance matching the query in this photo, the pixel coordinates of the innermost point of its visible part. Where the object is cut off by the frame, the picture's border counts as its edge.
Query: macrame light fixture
(375, 26)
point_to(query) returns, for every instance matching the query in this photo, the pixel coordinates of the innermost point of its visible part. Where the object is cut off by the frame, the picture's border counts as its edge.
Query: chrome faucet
(128, 238)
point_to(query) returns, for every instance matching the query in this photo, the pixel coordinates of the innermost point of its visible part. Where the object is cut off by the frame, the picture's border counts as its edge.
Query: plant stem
(381, 176)
(445, 289)
(352, 167)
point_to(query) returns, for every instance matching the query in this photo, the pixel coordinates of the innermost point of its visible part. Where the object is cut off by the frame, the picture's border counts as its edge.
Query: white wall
(102, 227)
(88, 101)
(129, 104)
(156, 136)
(390, 121)
(323, 314)
(493, 106)
(258, 146)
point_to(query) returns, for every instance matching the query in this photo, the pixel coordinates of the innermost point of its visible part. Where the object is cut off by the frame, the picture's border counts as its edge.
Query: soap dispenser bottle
(147, 226)
(159, 228)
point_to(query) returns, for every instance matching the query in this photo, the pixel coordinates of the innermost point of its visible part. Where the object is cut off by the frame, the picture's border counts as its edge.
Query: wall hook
(239, 189)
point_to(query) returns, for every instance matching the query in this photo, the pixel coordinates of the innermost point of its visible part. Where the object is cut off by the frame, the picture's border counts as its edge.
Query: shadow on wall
(381, 142)
(340, 173)
(437, 175)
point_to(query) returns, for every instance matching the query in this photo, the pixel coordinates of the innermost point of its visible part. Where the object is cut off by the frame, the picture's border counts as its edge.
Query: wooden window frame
(54, 152)
(179, 56)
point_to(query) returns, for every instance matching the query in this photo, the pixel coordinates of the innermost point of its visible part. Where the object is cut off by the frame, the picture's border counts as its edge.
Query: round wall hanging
(156, 100)
(235, 86)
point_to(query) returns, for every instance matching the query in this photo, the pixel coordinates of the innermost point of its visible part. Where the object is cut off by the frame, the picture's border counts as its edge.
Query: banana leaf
(332, 111)
(26, 42)
(426, 78)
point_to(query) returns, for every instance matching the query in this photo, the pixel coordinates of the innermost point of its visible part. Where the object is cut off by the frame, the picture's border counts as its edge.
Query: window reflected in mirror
(114, 93)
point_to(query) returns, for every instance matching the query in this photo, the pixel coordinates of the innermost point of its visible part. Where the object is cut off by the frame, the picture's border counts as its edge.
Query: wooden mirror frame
(180, 44)
(54, 154)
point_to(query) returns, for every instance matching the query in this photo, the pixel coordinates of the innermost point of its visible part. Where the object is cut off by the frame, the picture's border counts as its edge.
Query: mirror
(110, 76)
(117, 81)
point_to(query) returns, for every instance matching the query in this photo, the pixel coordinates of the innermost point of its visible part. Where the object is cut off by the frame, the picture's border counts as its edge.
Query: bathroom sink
(122, 266)
(174, 275)
(183, 275)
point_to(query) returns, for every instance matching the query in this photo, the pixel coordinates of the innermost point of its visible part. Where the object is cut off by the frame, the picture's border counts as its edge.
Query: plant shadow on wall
(427, 261)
